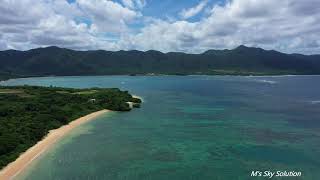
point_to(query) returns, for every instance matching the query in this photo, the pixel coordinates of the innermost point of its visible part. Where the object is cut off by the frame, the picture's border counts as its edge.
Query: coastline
(253, 75)
(22, 162)
(139, 97)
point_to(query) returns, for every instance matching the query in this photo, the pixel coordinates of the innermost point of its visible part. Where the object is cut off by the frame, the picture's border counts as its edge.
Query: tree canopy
(27, 113)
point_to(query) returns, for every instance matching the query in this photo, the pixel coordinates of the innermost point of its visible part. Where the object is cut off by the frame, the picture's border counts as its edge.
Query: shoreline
(139, 97)
(144, 75)
(21, 163)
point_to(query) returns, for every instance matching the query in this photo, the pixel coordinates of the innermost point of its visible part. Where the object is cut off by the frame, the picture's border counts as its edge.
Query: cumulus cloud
(26, 24)
(134, 4)
(107, 15)
(188, 13)
(128, 3)
(164, 36)
(289, 26)
(141, 3)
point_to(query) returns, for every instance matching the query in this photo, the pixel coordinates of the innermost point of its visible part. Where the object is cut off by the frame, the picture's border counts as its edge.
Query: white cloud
(270, 24)
(162, 35)
(140, 3)
(107, 15)
(290, 25)
(128, 3)
(26, 24)
(134, 4)
(188, 13)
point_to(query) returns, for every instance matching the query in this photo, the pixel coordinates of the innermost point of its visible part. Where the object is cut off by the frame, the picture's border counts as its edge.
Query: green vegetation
(136, 105)
(239, 61)
(27, 113)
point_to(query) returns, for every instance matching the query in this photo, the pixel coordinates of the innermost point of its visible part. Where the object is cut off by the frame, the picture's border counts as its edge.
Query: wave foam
(315, 102)
(267, 81)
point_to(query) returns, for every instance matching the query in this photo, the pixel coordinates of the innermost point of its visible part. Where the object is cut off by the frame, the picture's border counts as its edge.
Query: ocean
(191, 128)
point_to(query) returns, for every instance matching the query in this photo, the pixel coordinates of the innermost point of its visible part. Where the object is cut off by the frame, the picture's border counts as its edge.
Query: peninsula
(30, 113)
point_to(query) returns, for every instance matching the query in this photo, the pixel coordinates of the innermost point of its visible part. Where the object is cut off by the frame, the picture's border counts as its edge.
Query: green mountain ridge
(239, 61)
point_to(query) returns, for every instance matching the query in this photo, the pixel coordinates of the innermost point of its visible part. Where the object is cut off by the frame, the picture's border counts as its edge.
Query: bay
(190, 127)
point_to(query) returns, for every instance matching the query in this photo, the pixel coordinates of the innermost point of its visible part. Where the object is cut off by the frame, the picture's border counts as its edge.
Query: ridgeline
(55, 61)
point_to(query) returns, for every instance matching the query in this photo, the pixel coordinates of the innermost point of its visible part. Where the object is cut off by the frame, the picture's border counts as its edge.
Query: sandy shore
(14, 168)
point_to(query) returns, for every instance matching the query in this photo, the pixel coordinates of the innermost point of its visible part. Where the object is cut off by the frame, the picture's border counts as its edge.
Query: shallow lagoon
(191, 127)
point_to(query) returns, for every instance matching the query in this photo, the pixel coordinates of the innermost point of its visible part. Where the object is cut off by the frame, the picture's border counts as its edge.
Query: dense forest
(239, 61)
(27, 113)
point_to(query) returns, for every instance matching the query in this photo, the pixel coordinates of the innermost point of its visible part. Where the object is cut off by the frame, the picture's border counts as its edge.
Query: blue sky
(171, 8)
(291, 26)
(164, 9)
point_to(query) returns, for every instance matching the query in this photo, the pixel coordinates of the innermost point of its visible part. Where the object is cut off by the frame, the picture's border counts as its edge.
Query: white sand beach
(22, 162)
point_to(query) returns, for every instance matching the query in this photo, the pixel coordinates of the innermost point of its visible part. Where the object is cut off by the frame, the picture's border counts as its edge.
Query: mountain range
(55, 61)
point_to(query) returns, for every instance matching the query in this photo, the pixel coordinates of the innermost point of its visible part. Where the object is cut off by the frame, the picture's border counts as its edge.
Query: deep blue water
(191, 127)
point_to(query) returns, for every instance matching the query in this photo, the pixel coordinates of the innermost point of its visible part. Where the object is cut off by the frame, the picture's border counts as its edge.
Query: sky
(192, 26)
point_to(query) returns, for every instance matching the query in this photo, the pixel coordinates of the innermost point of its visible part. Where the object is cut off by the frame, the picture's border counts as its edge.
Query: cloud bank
(288, 26)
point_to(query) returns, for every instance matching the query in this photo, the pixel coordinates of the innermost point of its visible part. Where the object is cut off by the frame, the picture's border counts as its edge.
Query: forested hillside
(240, 61)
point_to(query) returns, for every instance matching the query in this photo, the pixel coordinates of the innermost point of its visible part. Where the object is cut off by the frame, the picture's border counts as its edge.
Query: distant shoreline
(22, 162)
(145, 75)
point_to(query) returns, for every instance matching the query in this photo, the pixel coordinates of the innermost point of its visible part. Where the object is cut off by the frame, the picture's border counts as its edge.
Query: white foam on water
(267, 81)
(315, 102)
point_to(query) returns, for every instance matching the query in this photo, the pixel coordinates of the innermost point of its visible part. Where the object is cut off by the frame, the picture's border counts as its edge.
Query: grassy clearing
(86, 92)
(11, 91)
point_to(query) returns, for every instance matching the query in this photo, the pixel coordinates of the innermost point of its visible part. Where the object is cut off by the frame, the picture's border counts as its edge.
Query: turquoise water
(191, 128)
